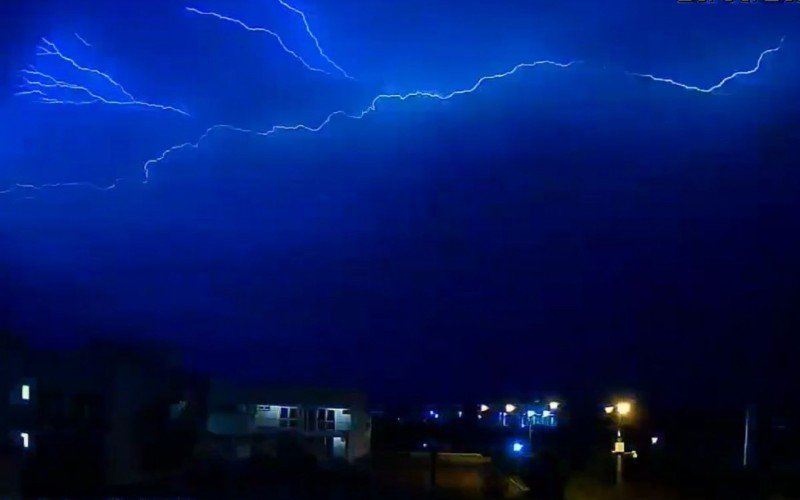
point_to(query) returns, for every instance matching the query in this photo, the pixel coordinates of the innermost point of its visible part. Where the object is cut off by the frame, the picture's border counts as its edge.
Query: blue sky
(537, 230)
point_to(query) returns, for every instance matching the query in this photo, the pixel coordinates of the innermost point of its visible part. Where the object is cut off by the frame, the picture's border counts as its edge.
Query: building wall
(333, 424)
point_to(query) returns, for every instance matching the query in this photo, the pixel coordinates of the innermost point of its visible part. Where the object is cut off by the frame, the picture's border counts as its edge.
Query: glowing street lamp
(484, 408)
(510, 408)
(621, 408)
(554, 405)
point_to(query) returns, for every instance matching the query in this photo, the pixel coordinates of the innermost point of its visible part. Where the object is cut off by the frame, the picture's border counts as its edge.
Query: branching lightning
(314, 38)
(41, 84)
(49, 89)
(259, 30)
(718, 85)
(373, 106)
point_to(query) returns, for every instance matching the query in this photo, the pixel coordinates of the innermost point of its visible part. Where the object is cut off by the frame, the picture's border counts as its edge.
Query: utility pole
(746, 437)
(619, 450)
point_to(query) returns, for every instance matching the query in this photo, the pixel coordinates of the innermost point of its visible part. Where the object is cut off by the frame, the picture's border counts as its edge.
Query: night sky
(560, 229)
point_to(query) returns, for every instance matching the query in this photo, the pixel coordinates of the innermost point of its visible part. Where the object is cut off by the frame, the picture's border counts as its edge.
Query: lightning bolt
(42, 187)
(82, 40)
(50, 49)
(718, 85)
(372, 107)
(38, 83)
(259, 30)
(315, 39)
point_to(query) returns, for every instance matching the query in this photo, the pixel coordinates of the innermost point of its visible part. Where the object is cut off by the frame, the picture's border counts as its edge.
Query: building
(245, 421)
(78, 421)
(531, 415)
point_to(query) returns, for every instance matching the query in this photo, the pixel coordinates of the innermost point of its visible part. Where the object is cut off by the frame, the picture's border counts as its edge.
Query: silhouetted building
(81, 420)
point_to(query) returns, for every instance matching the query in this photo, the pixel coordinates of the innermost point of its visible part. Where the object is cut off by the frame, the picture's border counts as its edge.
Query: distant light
(484, 408)
(431, 413)
(517, 447)
(554, 405)
(436, 415)
(480, 417)
(623, 407)
(510, 408)
(654, 440)
(460, 413)
(546, 413)
(25, 439)
(531, 413)
(26, 392)
(424, 445)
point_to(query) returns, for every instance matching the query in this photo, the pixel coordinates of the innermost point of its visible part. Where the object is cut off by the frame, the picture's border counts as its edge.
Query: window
(288, 417)
(25, 437)
(26, 392)
(326, 420)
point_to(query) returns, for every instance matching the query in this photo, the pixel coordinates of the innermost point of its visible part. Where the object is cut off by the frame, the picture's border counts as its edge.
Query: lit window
(26, 392)
(25, 439)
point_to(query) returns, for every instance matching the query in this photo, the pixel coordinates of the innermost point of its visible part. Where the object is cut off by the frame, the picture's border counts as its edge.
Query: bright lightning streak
(721, 83)
(373, 106)
(42, 187)
(315, 39)
(40, 81)
(82, 40)
(52, 83)
(259, 30)
(51, 50)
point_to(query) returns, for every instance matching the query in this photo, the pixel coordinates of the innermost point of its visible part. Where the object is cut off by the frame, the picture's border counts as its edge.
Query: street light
(484, 408)
(554, 405)
(510, 408)
(621, 408)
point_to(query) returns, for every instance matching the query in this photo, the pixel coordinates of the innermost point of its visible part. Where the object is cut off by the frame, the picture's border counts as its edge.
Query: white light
(510, 408)
(554, 405)
(431, 413)
(26, 392)
(484, 408)
(25, 439)
(480, 417)
(531, 413)
(546, 413)
(436, 415)
(517, 447)
(609, 409)
(460, 413)
(424, 445)
(654, 440)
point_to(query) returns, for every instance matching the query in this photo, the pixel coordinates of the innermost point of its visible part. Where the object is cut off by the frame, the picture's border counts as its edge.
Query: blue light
(517, 447)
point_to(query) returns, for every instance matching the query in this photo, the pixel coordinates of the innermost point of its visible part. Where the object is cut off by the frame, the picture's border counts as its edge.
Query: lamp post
(621, 409)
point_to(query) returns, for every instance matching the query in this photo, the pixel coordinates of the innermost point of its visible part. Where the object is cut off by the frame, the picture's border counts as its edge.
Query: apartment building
(327, 424)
